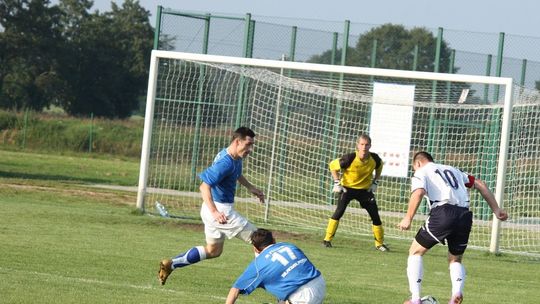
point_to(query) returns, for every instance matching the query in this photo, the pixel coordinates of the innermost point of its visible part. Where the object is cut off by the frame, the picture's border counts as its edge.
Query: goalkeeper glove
(338, 188)
(373, 187)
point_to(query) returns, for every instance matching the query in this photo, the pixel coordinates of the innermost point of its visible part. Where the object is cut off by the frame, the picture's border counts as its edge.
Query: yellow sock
(378, 234)
(331, 229)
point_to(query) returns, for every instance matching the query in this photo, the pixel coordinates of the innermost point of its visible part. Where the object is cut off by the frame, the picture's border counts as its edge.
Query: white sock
(415, 273)
(457, 276)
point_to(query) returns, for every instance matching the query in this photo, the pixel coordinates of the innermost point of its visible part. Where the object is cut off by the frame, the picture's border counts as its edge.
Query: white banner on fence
(391, 125)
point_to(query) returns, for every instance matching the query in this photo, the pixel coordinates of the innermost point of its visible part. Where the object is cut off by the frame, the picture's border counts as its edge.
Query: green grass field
(63, 241)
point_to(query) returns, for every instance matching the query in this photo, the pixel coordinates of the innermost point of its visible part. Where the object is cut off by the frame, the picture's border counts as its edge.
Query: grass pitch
(64, 242)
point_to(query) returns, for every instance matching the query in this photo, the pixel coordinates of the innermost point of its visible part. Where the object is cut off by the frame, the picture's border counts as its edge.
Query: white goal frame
(500, 81)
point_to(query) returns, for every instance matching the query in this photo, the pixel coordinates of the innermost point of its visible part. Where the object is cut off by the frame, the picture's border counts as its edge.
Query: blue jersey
(280, 269)
(222, 176)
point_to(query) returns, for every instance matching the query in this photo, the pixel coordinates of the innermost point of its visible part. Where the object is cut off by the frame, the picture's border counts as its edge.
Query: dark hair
(422, 155)
(262, 238)
(242, 133)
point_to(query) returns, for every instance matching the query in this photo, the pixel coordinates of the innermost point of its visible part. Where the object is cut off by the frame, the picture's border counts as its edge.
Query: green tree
(29, 49)
(86, 62)
(326, 57)
(395, 50)
(108, 66)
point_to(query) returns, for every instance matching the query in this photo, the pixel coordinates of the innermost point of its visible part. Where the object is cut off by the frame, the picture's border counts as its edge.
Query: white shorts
(312, 292)
(236, 226)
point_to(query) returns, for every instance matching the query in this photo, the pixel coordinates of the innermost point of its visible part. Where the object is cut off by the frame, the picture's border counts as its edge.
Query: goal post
(307, 114)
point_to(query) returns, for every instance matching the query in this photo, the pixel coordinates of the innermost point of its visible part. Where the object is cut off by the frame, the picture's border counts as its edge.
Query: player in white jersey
(449, 220)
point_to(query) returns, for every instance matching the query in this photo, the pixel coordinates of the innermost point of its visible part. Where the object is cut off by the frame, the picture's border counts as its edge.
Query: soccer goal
(305, 115)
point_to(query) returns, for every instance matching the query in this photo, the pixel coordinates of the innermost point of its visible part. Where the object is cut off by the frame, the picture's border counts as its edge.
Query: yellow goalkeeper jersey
(357, 174)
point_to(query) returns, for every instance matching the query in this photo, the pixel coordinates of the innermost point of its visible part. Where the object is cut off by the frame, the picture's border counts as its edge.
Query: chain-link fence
(493, 54)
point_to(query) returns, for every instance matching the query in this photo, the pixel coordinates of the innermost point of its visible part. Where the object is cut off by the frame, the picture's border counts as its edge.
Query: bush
(62, 134)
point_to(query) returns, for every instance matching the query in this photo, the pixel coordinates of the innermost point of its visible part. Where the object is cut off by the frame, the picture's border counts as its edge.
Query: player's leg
(213, 248)
(333, 222)
(457, 276)
(246, 232)
(457, 244)
(313, 292)
(369, 203)
(415, 270)
(190, 257)
(426, 237)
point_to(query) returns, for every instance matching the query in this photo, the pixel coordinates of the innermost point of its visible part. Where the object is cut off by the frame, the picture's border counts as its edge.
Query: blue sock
(192, 256)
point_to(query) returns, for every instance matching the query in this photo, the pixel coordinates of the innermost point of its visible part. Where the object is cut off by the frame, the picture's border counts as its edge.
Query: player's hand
(405, 224)
(258, 193)
(501, 214)
(338, 188)
(220, 217)
(373, 187)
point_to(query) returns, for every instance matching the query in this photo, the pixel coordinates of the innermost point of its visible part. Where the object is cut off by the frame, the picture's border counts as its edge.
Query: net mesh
(303, 119)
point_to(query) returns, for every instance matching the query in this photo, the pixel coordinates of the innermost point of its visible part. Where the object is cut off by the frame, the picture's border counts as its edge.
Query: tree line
(86, 61)
(392, 46)
(69, 56)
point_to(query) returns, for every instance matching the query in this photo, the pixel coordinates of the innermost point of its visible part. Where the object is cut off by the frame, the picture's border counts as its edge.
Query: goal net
(305, 115)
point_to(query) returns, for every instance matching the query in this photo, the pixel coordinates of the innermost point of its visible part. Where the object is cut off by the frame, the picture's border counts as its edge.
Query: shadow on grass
(53, 177)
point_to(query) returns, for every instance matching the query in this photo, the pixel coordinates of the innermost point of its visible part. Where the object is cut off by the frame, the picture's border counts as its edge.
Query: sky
(518, 17)
(471, 27)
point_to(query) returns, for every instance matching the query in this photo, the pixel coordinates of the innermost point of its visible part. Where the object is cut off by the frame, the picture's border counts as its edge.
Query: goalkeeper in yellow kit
(359, 172)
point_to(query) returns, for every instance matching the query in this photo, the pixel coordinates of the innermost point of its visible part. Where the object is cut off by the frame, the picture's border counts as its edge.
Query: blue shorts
(446, 223)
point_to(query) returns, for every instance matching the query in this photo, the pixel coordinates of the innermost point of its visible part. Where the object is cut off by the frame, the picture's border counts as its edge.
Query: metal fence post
(337, 116)
(200, 91)
(91, 133)
(488, 72)
(25, 126)
(523, 72)
(415, 57)
(373, 59)
(499, 64)
(241, 85)
(292, 50)
(324, 148)
(436, 64)
(450, 71)
(157, 31)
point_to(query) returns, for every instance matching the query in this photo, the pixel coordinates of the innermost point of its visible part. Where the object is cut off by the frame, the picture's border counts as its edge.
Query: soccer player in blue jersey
(450, 219)
(283, 270)
(218, 189)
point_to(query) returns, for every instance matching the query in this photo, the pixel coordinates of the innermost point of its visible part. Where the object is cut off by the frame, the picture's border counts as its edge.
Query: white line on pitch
(108, 283)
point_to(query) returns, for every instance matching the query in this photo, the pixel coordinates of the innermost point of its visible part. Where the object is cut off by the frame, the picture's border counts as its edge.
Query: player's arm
(378, 168)
(233, 295)
(335, 169)
(256, 191)
(490, 199)
(206, 194)
(414, 202)
(378, 172)
(335, 174)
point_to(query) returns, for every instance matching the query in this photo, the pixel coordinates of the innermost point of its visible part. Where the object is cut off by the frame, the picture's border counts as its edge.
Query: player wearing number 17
(449, 219)
(283, 270)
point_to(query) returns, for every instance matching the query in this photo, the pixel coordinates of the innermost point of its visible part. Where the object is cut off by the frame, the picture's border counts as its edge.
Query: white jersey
(443, 185)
